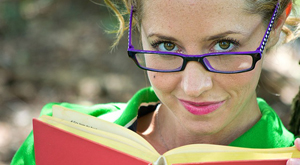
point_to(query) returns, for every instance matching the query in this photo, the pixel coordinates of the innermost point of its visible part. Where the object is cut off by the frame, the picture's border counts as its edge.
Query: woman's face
(201, 101)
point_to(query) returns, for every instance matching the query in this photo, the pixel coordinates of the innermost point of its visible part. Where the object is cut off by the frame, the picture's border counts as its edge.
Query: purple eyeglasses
(220, 62)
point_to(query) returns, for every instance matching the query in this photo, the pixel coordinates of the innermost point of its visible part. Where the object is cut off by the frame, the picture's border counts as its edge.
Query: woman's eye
(224, 46)
(168, 47)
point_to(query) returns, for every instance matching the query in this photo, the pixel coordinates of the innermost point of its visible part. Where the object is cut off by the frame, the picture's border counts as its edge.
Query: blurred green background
(58, 51)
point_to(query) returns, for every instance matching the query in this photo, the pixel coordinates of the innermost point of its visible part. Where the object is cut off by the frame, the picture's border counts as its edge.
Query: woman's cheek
(164, 82)
(240, 84)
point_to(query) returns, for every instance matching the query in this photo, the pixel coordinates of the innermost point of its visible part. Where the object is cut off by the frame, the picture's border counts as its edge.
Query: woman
(204, 60)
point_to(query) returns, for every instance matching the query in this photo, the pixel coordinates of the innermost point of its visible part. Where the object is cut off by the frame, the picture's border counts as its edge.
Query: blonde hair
(263, 7)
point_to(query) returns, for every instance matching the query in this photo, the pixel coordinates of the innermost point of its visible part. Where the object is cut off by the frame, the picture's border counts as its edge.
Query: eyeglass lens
(225, 63)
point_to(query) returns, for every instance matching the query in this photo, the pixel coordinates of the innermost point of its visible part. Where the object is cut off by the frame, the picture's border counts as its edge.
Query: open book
(70, 137)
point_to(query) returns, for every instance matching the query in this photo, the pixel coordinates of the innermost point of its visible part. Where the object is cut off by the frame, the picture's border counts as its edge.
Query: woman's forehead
(187, 8)
(210, 16)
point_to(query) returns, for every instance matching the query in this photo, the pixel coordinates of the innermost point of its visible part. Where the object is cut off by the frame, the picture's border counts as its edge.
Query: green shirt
(268, 132)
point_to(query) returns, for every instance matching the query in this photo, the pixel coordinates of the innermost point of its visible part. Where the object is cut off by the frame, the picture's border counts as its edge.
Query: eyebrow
(211, 38)
(222, 35)
(169, 38)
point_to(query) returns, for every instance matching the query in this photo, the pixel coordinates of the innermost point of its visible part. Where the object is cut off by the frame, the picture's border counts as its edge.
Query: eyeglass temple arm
(130, 46)
(267, 34)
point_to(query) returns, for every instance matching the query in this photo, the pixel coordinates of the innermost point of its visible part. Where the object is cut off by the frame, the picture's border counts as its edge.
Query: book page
(96, 132)
(96, 123)
(212, 153)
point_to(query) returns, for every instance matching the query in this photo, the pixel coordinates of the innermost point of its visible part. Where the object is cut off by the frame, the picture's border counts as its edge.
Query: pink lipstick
(201, 108)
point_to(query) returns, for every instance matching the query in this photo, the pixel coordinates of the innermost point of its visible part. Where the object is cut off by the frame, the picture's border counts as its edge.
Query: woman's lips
(201, 108)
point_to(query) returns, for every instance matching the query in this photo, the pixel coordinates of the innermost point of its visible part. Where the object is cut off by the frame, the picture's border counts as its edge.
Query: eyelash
(154, 44)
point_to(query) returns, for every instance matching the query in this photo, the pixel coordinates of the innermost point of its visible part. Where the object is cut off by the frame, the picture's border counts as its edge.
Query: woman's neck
(164, 132)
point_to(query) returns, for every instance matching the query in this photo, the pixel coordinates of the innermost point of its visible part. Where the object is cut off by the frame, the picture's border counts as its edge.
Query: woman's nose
(195, 79)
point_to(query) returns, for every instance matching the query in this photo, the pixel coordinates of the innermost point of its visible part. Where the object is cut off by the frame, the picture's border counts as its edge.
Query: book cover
(59, 147)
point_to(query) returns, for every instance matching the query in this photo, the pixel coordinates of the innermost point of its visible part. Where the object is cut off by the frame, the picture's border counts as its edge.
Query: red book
(72, 138)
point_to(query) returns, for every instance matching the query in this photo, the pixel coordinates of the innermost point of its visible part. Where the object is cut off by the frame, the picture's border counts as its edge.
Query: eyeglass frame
(256, 55)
